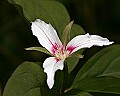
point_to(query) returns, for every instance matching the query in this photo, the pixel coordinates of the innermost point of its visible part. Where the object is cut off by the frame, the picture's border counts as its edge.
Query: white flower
(48, 38)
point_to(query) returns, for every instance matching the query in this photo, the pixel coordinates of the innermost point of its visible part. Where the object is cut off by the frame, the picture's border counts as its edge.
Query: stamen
(59, 52)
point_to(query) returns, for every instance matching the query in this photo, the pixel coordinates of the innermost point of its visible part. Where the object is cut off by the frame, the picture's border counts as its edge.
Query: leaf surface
(50, 11)
(101, 73)
(28, 80)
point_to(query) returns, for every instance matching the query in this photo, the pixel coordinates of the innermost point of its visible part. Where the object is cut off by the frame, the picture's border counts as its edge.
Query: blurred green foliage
(95, 16)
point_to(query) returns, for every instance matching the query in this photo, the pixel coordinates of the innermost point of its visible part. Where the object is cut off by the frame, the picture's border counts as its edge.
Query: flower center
(61, 54)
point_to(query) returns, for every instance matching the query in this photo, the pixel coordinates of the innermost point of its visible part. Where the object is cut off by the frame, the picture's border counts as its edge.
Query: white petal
(51, 65)
(86, 41)
(46, 34)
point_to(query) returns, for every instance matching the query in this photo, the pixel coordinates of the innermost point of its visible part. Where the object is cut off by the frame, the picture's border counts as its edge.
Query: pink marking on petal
(56, 60)
(70, 49)
(62, 50)
(55, 48)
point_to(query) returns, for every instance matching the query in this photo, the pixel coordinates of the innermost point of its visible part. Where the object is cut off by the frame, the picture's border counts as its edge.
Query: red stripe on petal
(57, 60)
(70, 49)
(55, 48)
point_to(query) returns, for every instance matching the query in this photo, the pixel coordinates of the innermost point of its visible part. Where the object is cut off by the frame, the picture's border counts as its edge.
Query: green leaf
(40, 49)
(28, 80)
(66, 33)
(76, 30)
(105, 84)
(77, 92)
(72, 61)
(25, 81)
(101, 62)
(101, 72)
(46, 10)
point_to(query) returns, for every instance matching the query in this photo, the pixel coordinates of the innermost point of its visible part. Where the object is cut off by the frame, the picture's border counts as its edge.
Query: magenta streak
(56, 60)
(54, 48)
(70, 49)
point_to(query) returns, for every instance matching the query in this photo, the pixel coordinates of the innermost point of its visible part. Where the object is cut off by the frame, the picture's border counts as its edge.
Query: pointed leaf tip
(77, 55)
(66, 33)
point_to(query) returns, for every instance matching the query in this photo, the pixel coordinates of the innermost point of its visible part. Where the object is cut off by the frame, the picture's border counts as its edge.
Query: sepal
(40, 49)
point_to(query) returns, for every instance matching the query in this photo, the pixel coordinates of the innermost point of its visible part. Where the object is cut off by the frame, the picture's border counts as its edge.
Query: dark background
(100, 17)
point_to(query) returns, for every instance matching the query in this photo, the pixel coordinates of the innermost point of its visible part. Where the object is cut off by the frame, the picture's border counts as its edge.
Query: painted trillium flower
(48, 38)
